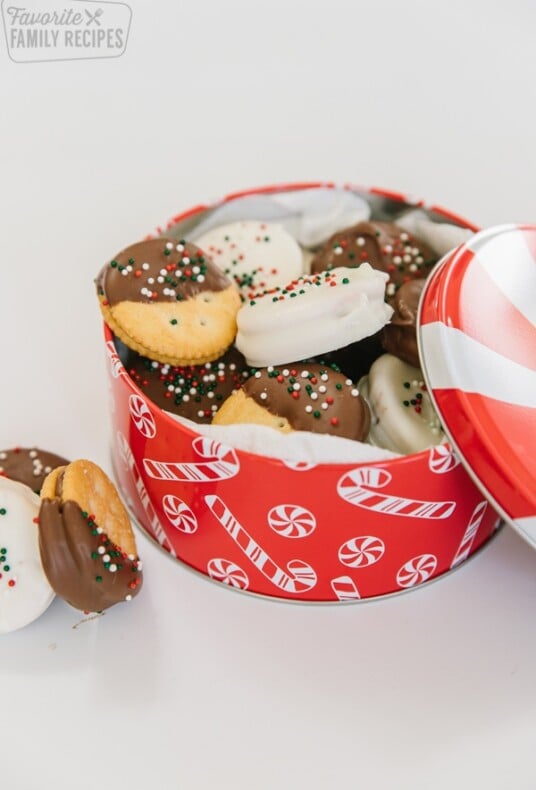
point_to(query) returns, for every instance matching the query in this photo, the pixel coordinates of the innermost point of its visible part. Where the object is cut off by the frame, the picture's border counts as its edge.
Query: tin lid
(477, 343)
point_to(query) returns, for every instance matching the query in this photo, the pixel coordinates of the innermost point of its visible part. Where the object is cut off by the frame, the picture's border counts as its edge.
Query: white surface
(193, 686)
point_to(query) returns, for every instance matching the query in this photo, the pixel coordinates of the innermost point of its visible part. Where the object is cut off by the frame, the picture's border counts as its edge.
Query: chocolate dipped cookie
(299, 397)
(29, 465)
(168, 301)
(86, 542)
(386, 246)
(399, 337)
(192, 391)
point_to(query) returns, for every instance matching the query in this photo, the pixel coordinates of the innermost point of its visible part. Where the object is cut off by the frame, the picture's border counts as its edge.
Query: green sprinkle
(98, 578)
(173, 321)
(407, 385)
(345, 281)
(94, 555)
(113, 264)
(338, 386)
(253, 303)
(3, 511)
(406, 403)
(316, 414)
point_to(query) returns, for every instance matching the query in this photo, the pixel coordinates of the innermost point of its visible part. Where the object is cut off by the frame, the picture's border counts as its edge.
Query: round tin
(286, 530)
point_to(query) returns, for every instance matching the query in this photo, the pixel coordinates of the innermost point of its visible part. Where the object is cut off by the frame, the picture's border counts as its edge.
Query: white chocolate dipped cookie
(403, 418)
(257, 255)
(312, 315)
(24, 589)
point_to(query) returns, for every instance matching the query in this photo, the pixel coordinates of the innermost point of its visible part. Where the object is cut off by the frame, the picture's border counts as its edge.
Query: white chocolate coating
(312, 315)
(24, 589)
(403, 418)
(260, 255)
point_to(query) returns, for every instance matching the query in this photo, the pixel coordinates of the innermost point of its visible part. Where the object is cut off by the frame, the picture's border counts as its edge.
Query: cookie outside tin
(291, 531)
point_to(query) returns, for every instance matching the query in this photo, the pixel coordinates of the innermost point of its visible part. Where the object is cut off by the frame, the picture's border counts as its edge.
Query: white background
(193, 686)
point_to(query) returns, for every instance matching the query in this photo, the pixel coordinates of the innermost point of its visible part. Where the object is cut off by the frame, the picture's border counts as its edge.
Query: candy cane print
(359, 486)
(132, 467)
(464, 548)
(442, 459)
(142, 417)
(116, 366)
(219, 463)
(345, 589)
(298, 578)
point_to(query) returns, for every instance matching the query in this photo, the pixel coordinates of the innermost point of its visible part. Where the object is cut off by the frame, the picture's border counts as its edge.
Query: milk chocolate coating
(29, 465)
(193, 391)
(69, 546)
(384, 245)
(182, 268)
(400, 336)
(313, 398)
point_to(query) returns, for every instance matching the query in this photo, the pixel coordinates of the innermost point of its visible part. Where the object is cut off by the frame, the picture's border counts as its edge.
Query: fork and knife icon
(94, 17)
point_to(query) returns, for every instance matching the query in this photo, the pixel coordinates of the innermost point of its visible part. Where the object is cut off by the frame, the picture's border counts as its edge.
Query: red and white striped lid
(477, 340)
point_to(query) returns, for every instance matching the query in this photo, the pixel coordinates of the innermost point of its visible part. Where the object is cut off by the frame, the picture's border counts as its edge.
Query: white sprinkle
(200, 278)
(106, 558)
(263, 396)
(210, 394)
(160, 279)
(200, 413)
(413, 267)
(360, 242)
(285, 372)
(169, 245)
(391, 289)
(415, 250)
(113, 567)
(145, 266)
(171, 388)
(407, 259)
(128, 597)
(258, 374)
(419, 259)
(32, 454)
(270, 369)
(404, 237)
(388, 248)
(355, 393)
(101, 549)
(322, 388)
(186, 259)
(314, 395)
(150, 280)
(308, 409)
(185, 398)
(305, 374)
(324, 377)
(139, 565)
(163, 272)
(296, 387)
(180, 247)
(195, 269)
(124, 272)
(324, 406)
(193, 391)
(348, 382)
(397, 259)
(338, 250)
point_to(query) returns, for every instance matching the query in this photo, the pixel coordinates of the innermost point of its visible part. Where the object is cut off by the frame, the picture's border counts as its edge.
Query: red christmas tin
(302, 531)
